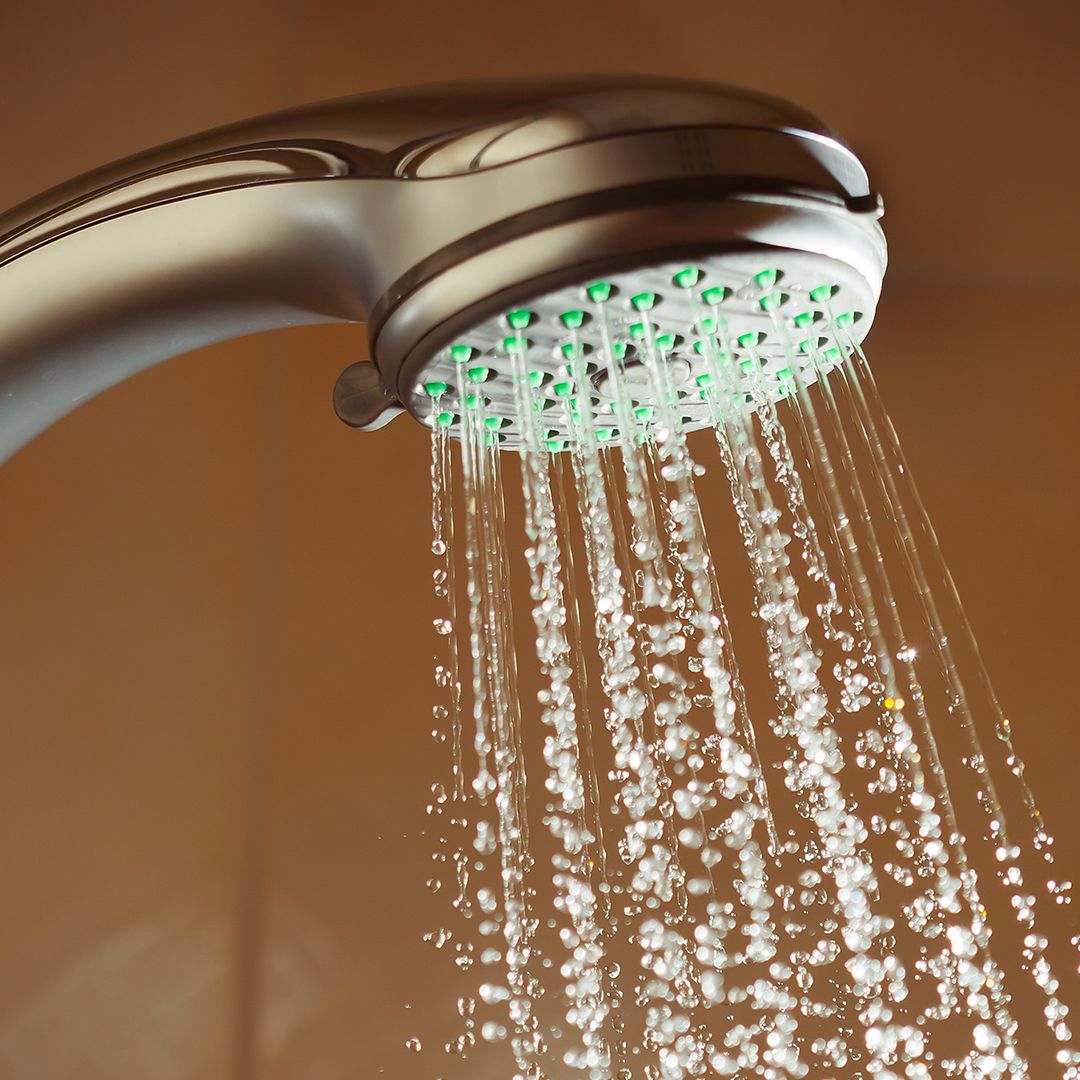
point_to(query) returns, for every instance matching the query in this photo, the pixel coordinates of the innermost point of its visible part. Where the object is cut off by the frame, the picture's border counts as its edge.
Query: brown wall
(214, 684)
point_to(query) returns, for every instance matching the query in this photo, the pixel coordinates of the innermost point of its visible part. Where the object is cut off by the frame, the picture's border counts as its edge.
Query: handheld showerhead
(430, 213)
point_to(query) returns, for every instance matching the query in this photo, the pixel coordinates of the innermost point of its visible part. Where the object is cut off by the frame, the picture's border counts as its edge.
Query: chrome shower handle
(337, 212)
(422, 132)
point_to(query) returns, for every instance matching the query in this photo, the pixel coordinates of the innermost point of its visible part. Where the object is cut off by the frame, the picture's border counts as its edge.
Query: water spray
(815, 855)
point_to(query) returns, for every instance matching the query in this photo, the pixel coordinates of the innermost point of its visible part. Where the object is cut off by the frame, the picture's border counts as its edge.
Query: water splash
(743, 881)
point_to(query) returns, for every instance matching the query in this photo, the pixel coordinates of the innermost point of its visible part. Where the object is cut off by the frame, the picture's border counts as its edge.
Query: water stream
(728, 817)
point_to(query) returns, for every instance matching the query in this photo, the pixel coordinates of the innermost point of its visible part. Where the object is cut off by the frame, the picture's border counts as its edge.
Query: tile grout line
(266, 563)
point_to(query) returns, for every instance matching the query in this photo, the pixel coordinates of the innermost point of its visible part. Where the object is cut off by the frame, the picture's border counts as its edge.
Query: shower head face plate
(771, 315)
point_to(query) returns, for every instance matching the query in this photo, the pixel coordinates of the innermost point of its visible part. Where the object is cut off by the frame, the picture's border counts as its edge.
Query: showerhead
(736, 223)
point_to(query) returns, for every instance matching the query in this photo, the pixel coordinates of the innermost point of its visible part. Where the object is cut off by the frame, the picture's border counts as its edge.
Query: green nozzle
(563, 389)
(435, 389)
(821, 293)
(644, 301)
(643, 413)
(572, 320)
(766, 279)
(749, 340)
(845, 320)
(479, 374)
(599, 291)
(688, 278)
(492, 423)
(461, 354)
(772, 301)
(804, 319)
(519, 320)
(714, 295)
(445, 419)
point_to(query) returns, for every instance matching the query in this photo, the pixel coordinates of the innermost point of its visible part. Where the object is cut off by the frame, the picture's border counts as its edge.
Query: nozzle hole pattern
(572, 332)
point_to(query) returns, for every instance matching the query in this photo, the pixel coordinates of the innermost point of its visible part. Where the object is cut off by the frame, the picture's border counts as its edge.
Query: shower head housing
(430, 214)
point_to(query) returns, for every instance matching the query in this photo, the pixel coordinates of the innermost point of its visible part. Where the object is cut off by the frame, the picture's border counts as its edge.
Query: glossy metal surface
(349, 211)
(639, 248)
(426, 131)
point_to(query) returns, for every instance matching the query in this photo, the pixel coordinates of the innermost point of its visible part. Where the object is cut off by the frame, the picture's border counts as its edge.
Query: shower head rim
(404, 359)
(408, 364)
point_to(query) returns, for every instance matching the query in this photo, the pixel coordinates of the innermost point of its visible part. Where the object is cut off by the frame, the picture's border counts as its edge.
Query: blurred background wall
(214, 748)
